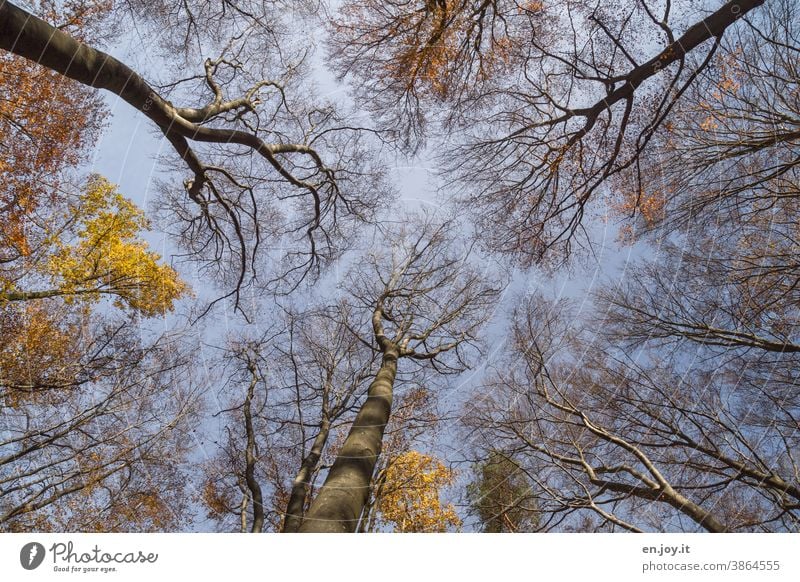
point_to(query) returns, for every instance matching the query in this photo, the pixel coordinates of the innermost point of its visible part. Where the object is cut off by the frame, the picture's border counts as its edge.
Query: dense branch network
(548, 100)
(227, 199)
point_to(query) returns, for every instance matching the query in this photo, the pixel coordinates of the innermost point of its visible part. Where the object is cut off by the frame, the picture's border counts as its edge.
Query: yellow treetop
(409, 494)
(107, 256)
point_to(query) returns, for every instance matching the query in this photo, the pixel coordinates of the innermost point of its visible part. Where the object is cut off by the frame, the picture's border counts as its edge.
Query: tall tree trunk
(301, 484)
(250, 458)
(344, 494)
(26, 35)
(31, 37)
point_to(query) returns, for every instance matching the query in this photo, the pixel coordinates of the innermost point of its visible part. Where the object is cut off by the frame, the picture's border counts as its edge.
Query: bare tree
(703, 298)
(728, 152)
(102, 448)
(330, 361)
(640, 445)
(550, 100)
(726, 302)
(247, 113)
(290, 393)
(426, 304)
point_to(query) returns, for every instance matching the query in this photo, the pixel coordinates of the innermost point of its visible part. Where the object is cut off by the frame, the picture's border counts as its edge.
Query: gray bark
(31, 37)
(341, 500)
(250, 460)
(301, 485)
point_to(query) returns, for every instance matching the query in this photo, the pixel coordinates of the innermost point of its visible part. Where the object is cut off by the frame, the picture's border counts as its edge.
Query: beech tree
(93, 441)
(48, 123)
(309, 156)
(299, 388)
(727, 307)
(672, 407)
(86, 250)
(411, 503)
(92, 250)
(86, 432)
(337, 366)
(423, 287)
(728, 151)
(735, 295)
(544, 101)
(641, 445)
(293, 395)
(425, 304)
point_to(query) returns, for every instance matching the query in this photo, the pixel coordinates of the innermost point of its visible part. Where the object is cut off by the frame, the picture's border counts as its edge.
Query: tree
(302, 388)
(331, 360)
(89, 250)
(408, 56)
(580, 101)
(408, 494)
(238, 476)
(93, 250)
(425, 304)
(728, 309)
(673, 406)
(91, 407)
(99, 446)
(641, 444)
(226, 191)
(91, 412)
(727, 153)
(735, 295)
(414, 421)
(499, 496)
(48, 123)
(302, 385)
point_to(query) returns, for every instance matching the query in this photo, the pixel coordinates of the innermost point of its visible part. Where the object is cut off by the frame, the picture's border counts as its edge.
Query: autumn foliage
(40, 350)
(431, 48)
(107, 257)
(669, 400)
(89, 408)
(410, 490)
(48, 123)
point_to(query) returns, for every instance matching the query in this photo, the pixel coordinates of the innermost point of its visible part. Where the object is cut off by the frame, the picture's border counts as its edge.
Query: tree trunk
(250, 459)
(31, 37)
(26, 35)
(344, 494)
(301, 484)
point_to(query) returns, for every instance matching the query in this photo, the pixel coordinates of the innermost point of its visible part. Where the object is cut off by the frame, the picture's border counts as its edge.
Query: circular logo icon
(31, 555)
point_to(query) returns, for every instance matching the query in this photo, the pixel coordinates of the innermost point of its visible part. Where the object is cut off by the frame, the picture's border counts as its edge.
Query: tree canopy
(280, 332)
